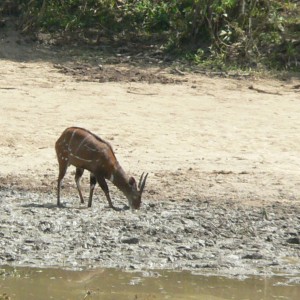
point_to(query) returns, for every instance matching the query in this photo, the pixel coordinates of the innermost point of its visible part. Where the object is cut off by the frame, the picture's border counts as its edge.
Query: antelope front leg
(104, 187)
(58, 192)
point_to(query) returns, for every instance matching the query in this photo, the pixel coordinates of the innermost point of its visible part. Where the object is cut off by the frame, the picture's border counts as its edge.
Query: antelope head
(135, 196)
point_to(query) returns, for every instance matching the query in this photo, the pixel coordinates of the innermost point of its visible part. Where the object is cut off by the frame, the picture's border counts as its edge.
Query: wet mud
(200, 236)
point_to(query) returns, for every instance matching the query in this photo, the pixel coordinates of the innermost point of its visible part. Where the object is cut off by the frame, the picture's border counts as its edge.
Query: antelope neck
(120, 179)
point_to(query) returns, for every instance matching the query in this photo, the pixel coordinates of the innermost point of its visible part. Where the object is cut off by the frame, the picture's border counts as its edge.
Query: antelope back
(83, 149)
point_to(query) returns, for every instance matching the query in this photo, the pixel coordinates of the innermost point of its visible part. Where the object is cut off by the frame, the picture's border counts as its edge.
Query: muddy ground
(222, 155)
(202, 236)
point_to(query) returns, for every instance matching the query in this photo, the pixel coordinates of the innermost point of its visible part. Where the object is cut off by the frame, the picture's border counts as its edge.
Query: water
(108, 284)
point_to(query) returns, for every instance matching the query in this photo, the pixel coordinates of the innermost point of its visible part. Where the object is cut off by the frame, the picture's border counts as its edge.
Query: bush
(238, 32)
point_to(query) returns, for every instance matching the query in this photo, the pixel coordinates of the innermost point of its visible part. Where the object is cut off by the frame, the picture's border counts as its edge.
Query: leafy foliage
(231, 32)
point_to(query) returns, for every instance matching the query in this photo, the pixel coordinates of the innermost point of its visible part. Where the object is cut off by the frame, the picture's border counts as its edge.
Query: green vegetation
(213, 33)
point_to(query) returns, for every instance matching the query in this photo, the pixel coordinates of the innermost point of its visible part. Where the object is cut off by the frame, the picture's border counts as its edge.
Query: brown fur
(86, 151)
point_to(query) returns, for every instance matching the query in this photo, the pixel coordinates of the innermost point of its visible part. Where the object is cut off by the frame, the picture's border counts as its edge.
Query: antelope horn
(140, 181)
(142, 184)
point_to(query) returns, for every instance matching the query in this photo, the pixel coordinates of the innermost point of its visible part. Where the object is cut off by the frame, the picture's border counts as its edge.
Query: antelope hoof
(126, 207)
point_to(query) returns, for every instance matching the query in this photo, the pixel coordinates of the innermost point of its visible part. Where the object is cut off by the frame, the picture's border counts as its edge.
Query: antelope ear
(132, 182)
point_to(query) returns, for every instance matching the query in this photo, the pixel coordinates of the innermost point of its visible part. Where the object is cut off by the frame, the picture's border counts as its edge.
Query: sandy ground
(201, 139)
(207, 137)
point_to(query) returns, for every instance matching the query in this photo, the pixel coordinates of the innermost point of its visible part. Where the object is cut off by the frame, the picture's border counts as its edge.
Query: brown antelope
(84, 150)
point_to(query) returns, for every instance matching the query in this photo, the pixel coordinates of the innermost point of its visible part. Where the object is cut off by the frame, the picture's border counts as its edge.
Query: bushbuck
(86, 151)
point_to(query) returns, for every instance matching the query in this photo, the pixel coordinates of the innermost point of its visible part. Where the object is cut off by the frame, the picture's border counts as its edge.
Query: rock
(131, 241)
(293, 240)
(255, 255)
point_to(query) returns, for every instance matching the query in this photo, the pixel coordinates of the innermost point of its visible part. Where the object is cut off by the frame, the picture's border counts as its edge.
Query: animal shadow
(43, 205)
